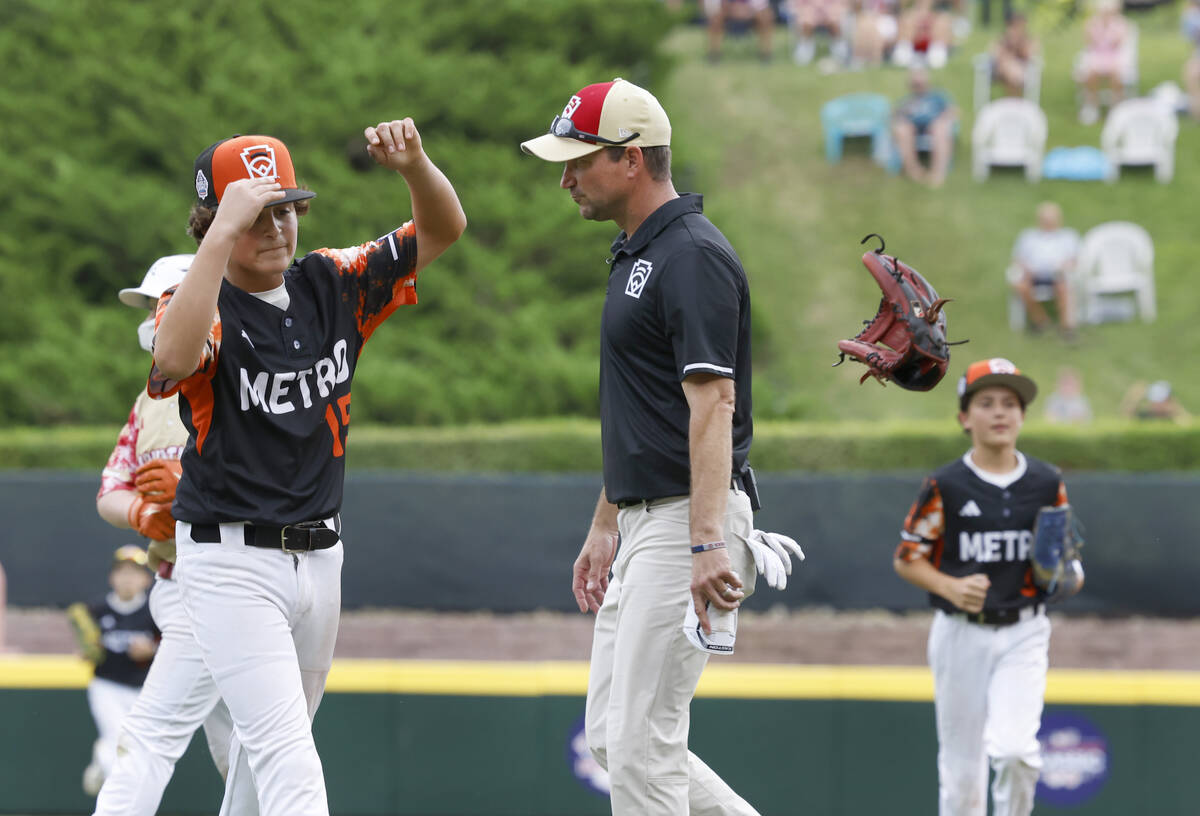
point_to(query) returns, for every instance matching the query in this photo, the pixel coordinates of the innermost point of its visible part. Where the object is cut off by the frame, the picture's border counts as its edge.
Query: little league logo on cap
(606, 114)
(996, 371)
(242, 157)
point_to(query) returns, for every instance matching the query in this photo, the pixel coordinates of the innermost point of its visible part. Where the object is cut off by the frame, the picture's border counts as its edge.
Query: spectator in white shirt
(1046, 255)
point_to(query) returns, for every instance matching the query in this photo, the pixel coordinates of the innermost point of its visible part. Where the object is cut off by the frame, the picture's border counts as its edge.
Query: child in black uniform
(968, 542)
(118, 635)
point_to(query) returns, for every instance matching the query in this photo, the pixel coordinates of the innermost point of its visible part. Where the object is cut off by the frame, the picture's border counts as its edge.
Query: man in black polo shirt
(676, 429)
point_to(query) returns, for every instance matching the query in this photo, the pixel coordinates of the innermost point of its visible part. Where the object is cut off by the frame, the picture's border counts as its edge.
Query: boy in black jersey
(118, 635)
(967, 541)
(262, 348)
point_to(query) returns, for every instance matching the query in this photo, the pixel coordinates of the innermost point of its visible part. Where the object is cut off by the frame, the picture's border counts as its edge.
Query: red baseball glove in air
(906, 340)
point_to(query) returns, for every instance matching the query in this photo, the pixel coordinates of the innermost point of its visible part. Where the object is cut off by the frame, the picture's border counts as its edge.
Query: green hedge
(566, 446)
(103, 114)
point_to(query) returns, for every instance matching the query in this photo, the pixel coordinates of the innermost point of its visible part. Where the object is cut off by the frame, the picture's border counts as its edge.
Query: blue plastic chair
(862, 114)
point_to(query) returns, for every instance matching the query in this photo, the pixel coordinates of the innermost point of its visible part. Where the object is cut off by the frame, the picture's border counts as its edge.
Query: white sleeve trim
(707, 367)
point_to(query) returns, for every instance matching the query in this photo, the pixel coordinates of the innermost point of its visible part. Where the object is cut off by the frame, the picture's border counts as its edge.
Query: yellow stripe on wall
(722, 681)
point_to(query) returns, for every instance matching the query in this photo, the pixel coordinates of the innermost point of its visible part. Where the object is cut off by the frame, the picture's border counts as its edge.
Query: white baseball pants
(644, 672)
(179, 695)
(109, 702)
(989, 688)
(266, 622)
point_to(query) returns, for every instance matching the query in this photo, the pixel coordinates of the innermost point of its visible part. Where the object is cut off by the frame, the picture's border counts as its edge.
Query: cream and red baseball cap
(164, 273)
(996, 371)
(241, 157)
(605, 114)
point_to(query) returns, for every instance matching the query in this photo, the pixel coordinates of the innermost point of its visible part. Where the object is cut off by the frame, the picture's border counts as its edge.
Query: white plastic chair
(984, 79)
(1009, 133)
(1116, 259)
(1140, 132)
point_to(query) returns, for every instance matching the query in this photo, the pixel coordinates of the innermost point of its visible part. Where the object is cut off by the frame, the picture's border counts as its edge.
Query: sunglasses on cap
(564, 127)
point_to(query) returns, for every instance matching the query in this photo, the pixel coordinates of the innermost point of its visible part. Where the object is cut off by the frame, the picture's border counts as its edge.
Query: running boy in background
(118, 635)
(968, 542)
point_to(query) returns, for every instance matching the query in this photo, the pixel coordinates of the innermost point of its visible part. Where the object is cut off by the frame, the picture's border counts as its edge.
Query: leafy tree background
(105, 105)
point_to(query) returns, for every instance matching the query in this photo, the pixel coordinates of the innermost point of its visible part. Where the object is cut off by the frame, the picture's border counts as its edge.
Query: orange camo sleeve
(378, 276)
(924, 527)
(158, 386)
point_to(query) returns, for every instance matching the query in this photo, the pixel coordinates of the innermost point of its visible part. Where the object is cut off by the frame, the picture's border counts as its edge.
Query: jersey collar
(1000, 480)
(656, 223)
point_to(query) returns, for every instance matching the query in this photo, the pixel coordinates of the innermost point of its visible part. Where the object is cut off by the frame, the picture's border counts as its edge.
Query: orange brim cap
(242, 157)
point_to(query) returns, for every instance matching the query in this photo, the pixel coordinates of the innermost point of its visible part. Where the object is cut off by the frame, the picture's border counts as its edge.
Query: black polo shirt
(677, 304)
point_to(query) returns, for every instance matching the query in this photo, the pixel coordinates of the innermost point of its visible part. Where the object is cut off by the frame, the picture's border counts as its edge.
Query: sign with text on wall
(1075, 759)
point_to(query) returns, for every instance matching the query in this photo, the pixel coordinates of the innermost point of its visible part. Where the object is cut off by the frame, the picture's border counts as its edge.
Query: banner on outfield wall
(506, 542)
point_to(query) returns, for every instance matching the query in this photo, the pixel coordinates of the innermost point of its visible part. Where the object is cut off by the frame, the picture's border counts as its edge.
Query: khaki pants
(644, 672)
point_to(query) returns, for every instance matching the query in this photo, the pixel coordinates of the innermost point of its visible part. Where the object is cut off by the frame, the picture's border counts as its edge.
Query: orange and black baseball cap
(241, 157)
(996, 371)
(606, 114)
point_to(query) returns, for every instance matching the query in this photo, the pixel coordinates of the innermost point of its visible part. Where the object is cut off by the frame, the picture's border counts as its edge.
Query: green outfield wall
(443, 738)
(506, 542)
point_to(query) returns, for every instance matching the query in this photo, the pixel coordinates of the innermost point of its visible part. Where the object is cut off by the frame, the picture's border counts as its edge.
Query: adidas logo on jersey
(970, 509)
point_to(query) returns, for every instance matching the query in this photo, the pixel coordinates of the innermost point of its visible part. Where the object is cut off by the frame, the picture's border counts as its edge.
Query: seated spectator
(1067, 404)
(721, 12)
(1105, 36)
(875, 29)
(1191, 69)
(924, 113)
(1046, 255)
(812, 16)
(924, 31)
(1011, 55)
(1154, 401)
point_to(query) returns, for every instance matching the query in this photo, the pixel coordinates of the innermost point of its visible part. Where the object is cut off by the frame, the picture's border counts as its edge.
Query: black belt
(302, 537)
(735, 483)
(1002, 617)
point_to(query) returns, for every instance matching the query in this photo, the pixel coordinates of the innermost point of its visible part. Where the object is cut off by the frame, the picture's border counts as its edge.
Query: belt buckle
(283, 539)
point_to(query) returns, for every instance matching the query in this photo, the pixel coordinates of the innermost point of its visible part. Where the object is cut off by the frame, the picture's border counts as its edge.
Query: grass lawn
(748, 135)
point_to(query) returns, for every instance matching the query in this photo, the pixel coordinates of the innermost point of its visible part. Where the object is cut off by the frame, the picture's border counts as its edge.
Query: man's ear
(634, 161)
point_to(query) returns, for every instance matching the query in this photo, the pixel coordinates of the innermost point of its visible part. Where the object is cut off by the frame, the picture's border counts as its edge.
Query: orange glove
(157, 479)
(151, 519)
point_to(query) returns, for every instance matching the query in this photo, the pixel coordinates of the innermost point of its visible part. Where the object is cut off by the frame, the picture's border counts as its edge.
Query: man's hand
(151, 519)
(157, 479)
(715, 582)
(396, 144)
(969, 592)
(590, 574)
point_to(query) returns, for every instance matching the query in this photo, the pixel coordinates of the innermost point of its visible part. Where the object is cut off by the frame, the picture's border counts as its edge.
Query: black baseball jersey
(678, 303)
(268, 409)
(966, 523)
(119, 622)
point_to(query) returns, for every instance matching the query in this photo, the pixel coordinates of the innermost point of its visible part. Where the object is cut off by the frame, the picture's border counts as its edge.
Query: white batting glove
(773, 554)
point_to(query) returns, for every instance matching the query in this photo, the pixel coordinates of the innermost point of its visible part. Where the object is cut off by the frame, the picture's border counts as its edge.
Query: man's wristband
(715, 545)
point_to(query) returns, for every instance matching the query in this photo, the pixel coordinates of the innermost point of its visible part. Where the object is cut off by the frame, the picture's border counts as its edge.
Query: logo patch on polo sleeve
(638, 277)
